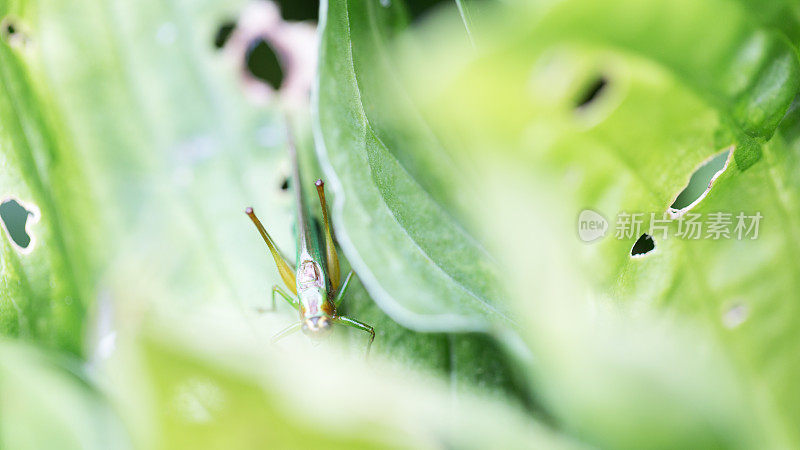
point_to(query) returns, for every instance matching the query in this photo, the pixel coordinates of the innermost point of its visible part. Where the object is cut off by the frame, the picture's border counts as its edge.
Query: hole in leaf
(14, 217)
(701, 181)
(9, 30)
(591, 92)
(643, 245)
(285, 184)
(13, 32)
(299, 9)
(263, 63)
(224, 33)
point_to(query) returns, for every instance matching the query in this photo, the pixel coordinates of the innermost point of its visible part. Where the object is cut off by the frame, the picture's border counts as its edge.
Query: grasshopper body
(316, 292)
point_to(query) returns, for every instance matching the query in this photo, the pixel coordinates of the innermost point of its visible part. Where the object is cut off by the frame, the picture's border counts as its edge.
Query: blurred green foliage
(624, 350)
(460, 141)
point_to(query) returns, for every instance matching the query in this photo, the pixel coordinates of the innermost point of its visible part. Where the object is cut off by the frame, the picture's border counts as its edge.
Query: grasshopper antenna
(330, 248)
(283, 268)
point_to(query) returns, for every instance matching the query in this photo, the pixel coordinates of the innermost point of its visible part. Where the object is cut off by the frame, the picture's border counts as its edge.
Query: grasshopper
(316, 292)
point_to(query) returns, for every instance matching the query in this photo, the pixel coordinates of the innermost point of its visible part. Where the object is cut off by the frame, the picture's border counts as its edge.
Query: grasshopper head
(317, 326)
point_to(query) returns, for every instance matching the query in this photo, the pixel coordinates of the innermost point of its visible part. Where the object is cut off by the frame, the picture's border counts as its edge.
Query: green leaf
(175, 152)
(47, 403)
(466, 361)
(751, 73)
(781, 15)
(224, 390)
(46, 215)
(170, 143)
(418, 263)
(705, 329)
(190, 152)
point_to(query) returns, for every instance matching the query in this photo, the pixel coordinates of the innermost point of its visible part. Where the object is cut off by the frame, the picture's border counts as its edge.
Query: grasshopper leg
(293, 328)
(278, 290)
(360, 326)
